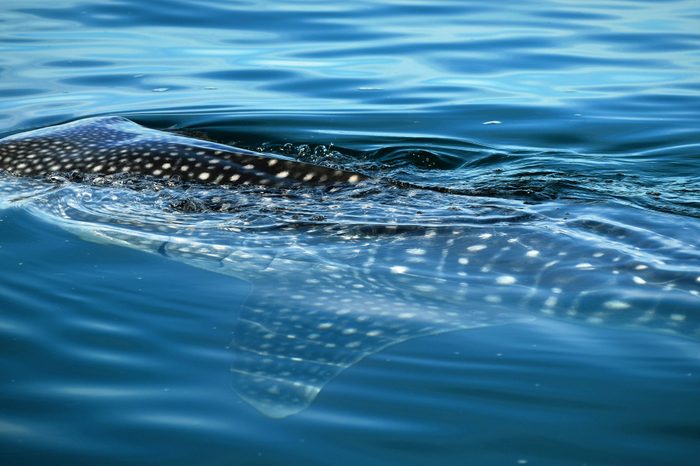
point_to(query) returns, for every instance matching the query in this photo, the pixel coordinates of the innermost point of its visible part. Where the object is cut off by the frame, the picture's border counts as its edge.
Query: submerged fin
(299, 330)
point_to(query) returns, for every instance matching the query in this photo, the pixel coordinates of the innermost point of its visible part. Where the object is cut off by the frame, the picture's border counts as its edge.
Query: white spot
(308, 176)
(532, 253)
(463, 261)
(678, 317)
(272, 162)
(616, 304)
(353, 179)
(398, 269)
(585, 266)
(425, 288)
(506, 280)
(165, 166)
(476, 247)
(491, 122)
(641, 267)
(415, 260)
(283, 174)
(325, 325)
(97, 168)
(416, 251)
(638, 280)
(203, 176)
(235, 177)
(485, 235)
(551, 301)
(406, 315)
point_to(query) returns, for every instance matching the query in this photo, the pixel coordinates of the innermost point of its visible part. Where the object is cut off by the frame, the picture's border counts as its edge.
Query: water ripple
(110, 356)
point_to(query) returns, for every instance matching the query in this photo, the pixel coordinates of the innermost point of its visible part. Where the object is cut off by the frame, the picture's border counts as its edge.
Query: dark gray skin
(111, 145)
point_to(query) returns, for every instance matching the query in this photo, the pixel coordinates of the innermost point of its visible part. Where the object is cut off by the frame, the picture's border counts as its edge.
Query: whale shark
(341, 266)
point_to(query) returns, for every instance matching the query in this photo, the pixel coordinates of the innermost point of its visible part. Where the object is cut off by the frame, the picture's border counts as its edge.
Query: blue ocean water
(571, 126)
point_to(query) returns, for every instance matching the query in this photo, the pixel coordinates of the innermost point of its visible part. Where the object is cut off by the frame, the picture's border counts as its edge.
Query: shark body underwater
(341, 266)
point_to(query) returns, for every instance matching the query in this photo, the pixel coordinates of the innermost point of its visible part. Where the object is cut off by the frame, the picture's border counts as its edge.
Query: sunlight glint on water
(111, 355)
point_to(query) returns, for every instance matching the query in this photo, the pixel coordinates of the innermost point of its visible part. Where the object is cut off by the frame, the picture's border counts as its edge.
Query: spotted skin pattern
(111, 145)
(375, 272)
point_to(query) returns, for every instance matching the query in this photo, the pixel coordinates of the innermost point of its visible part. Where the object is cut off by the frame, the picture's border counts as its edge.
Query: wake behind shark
(338, 276)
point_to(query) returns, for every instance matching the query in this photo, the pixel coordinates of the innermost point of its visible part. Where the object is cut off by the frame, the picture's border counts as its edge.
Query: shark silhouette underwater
(373, 272)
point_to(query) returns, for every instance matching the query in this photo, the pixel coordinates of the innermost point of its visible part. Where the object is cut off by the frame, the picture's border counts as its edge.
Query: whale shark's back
(112, 145)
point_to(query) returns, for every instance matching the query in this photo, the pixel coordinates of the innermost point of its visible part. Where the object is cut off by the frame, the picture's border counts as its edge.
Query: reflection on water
(565, 270)
(450, 66)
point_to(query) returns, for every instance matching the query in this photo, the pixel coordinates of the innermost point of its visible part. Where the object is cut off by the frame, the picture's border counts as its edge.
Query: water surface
(569, 122)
